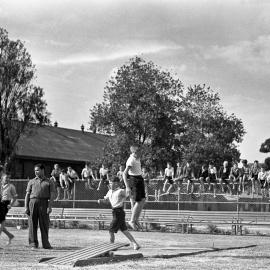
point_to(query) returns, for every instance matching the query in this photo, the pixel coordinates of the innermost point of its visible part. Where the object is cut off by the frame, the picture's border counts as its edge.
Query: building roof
(55, 143)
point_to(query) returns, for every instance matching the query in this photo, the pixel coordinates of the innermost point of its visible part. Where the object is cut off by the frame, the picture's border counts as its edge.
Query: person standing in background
(104, 176)
(38, 200)
(120, 176)
(146, 178)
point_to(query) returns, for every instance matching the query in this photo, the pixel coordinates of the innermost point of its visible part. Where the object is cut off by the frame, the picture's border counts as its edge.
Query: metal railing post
(74, 196)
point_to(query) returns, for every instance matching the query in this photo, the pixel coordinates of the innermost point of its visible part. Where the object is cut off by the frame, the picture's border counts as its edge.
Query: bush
(212, 229)
(83, 226)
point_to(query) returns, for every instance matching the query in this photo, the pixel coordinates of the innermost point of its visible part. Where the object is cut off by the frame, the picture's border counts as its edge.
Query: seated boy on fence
(262, 177)
(117, 197)
(203, 177)
(189, 176)
(224, 176)
(234, 176)
(212, 178)
(168, 177)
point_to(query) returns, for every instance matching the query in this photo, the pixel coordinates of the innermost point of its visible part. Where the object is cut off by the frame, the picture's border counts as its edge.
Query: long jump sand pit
(160, 250)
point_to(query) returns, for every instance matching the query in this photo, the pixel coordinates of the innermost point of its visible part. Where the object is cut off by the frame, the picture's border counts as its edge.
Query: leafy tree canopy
(21, 102)
(147, 105)
(265, 147)
(210, 133)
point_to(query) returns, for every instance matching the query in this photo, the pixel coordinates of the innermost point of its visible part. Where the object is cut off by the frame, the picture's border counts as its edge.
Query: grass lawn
(19, 256)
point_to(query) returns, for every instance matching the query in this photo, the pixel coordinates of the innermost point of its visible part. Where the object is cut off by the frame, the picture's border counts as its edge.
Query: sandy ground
(64, 241)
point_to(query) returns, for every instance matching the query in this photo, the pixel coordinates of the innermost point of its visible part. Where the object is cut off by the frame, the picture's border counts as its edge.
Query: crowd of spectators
(229, 178)
(234, 179)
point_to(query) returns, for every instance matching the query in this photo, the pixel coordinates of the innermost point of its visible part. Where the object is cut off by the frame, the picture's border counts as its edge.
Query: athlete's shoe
(132, 224)
(9, 240)
(136, 246)
(138, 225)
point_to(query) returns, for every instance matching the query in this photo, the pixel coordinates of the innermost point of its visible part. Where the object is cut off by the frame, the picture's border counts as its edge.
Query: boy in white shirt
(117, 197)
(8, 197)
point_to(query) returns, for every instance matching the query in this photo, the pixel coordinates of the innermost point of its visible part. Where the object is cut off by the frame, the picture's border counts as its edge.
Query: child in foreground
(8, 197)
(117, 197)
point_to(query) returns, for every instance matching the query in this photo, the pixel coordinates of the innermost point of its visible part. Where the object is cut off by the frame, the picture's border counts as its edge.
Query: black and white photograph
(134, 134)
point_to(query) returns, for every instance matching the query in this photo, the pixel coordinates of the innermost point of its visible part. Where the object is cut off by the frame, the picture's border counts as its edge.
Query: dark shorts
(122, 184)
(170, 180)
(71, 183)
(56, 182)
(262, 182)
(254, 176)
(104, 179)
(3, 210)
(212, 178)
(118, 221)
(137, 187)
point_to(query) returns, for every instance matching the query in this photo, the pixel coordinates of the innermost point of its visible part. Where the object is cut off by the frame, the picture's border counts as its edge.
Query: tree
(146, 105)
(210, 134)
(265, 147)
(267, 163)
(139, 106)
(21, 102)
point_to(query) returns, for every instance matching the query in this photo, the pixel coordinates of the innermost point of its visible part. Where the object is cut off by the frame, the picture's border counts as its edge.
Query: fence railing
(177, 200)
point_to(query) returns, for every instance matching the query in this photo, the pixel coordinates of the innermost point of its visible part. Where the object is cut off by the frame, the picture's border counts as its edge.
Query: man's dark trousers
(38, 215)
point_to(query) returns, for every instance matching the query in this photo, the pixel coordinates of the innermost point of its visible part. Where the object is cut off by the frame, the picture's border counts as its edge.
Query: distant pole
(74, 196)
(238, 214)
(178, 197)
(1, 74)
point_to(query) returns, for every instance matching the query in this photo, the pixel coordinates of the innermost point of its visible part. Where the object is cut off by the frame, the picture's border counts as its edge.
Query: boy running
(117, 197)
(8, 197)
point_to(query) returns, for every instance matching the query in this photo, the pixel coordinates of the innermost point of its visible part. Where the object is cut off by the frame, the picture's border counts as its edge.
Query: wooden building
(52, 144)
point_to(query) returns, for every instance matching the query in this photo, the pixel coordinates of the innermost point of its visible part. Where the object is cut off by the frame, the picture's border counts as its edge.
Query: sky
(76, 46)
